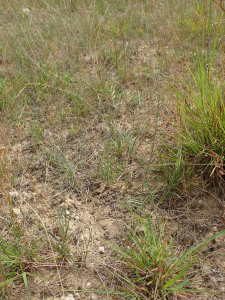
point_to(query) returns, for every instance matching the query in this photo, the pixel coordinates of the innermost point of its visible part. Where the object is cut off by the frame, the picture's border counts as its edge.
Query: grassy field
(112, 146)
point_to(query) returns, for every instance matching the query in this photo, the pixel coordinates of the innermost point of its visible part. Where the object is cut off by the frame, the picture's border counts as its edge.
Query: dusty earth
(96, 208)
(98, 217)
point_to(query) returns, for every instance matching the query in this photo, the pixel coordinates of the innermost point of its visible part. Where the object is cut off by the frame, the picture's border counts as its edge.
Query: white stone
(26, 11)
(16, 211)
(94, 297)
(101, 249)
(222, 289)
(14, 194)
(88, 284)
(200, 202)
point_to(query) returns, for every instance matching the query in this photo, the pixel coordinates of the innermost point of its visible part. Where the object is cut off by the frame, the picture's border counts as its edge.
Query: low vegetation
(111, 149)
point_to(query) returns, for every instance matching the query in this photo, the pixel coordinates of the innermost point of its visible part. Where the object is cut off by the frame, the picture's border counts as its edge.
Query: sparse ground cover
(112, 149)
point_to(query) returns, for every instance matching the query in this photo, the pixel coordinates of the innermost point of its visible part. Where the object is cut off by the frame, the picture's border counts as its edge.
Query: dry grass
(83, 99)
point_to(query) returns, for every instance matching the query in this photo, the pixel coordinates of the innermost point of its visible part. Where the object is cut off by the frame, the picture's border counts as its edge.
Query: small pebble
(201, 202)
(214, 229)
(222, 289)
(67, 212)
(16, 211)
(14, 194)
(26, 11)
(94, 297)
(101, 249)
(88, 284)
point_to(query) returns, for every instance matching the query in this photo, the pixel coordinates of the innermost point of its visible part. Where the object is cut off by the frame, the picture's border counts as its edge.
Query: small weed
(68, 169)
(60, 245)
(3, 84)
(131, 141)
(197, 22)
(200, 123)
(137, 100)
(146, 266)
(106, 166)
(18, 255)
(123, 142)
(176, 174)
(62, 241)
(117, 145)
(74, 128)
(36, 131)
